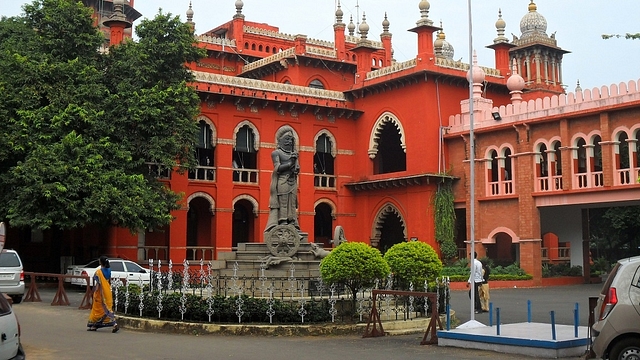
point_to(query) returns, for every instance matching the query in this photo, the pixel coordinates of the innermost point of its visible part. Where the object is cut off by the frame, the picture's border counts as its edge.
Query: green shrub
(413, 262)
(564, 269)
(355, 265)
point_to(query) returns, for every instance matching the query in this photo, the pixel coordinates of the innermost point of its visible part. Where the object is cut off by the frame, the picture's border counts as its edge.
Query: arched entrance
(389, 228)
(199, 228)
(323, 224)
(503, 251)
(243, 222)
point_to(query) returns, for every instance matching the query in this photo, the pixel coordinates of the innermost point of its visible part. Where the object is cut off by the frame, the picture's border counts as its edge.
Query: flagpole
(472, 164)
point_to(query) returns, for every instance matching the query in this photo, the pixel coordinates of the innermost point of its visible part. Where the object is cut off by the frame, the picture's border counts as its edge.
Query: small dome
(515, 82)
(424, 5)
(339, 13)
(478, 73)
(439, 40)
(190, 11)
(239, 5)
(443, 46)
(351, 27)
(500, 23)
(533, 23)
(385, 22)
(364, 27)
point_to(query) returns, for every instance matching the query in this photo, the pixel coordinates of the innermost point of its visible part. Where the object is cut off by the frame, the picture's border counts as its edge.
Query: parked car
(120, 269)
(11, 275)
(10, 346)
(616, 331)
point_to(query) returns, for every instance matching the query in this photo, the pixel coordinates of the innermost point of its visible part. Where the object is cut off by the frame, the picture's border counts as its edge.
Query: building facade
(376, 137)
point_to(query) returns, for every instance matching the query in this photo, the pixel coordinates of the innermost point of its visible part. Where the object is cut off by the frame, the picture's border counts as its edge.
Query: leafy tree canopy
(81, 126)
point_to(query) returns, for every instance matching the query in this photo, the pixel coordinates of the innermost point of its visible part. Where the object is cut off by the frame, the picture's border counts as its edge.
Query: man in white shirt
(476, 278)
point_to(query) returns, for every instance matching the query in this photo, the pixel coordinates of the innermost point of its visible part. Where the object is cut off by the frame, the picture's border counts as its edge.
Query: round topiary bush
(413, 262)
(354, 264)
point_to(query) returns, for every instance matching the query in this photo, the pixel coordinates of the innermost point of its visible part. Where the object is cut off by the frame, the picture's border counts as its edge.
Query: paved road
(51, 332)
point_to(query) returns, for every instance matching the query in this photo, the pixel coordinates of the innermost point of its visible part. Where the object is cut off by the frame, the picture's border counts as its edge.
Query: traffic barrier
(60, 297)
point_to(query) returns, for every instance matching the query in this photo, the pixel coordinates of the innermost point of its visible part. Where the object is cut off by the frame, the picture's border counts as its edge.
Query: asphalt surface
(59, 332)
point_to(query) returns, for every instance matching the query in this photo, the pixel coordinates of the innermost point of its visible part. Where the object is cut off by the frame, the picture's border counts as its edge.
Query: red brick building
(376, 136)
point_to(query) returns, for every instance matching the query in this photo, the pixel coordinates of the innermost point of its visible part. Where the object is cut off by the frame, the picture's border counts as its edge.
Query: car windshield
(9, 259)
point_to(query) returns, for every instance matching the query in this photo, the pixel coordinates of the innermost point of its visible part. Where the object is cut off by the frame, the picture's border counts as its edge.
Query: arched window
(260, 48)
(582, 156)
(508, 165)
(316, 84)
(323, 163)
(204, 154)
(253, 46)
(267, 49)
(557, 154)
(391, 156)
(495, 167)
(597, 153)
(543, 170)
(245, 157)
(623, 151)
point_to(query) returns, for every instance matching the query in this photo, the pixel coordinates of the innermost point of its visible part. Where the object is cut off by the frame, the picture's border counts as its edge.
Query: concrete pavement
(51, 332)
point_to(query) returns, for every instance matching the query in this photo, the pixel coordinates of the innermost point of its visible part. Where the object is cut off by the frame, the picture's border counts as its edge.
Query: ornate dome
(533, 23)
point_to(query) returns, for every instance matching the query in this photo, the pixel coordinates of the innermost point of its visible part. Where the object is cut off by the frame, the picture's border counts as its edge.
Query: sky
(579, 25)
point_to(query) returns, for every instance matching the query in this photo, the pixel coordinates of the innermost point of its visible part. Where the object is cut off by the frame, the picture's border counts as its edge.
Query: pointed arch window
(245, 158)
(390, 156)
(205, 154)
(323, 163)
(316, 84)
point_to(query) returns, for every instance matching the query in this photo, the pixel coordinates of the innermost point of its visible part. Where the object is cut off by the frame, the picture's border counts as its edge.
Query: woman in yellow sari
(102, 308)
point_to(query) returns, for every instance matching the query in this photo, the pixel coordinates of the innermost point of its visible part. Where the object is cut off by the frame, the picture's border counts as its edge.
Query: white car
(10, 346)
(11, 275)
(120, 269)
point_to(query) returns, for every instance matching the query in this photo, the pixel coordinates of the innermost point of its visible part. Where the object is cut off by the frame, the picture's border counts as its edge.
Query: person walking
(475, 278)
(102, 308)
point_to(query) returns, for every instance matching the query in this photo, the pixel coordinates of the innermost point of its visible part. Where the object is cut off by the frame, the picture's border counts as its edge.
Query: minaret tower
(538, 57)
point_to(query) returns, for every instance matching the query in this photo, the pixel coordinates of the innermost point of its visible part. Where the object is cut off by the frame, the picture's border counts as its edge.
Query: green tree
(355, 265)
(630, 36)
(81, 125)
(615, 232)
(445, 220)
(413, 262)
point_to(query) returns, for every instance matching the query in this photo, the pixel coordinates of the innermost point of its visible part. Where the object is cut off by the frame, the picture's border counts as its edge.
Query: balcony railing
(564, 254)
(193, 252)
(496, 188)
(549, 183)
(200, 252)
(203, 173)
(245, 176)
(324, 181)
(155, 253)
(589, 180)
(628, 176)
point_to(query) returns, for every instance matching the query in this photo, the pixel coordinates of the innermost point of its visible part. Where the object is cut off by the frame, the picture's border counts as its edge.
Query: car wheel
(626, 349)
(17, 299)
